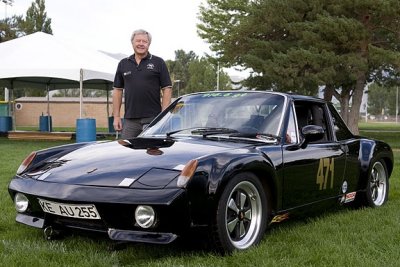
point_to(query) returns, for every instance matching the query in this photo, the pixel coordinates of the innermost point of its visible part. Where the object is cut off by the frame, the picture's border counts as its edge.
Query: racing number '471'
(326, 168)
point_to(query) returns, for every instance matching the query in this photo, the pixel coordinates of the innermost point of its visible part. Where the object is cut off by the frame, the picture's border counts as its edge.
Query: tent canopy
(41, 59)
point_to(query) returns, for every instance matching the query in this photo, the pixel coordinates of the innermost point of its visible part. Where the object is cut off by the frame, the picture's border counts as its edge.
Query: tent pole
(108, 107)
(48, 107)
(48, 100)
(80, 93)
(108, 100)
(11, 106)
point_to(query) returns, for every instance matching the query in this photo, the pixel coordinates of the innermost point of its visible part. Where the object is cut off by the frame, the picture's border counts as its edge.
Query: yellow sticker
(325, 171)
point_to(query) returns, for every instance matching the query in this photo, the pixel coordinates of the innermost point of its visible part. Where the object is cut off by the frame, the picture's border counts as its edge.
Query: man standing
(147, 84)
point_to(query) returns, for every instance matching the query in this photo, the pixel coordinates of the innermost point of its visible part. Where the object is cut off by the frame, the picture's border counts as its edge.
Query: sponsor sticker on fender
(350, 197)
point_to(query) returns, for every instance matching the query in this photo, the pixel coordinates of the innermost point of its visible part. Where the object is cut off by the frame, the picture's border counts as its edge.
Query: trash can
(4, 108)
(45, 124)
(5, 123)
(110, 124)
(85, 130)
(111, 128)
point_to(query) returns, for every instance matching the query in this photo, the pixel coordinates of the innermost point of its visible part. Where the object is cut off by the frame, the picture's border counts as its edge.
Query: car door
(315, 172)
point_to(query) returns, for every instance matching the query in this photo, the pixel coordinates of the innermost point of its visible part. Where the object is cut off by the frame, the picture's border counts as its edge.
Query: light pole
(218, 76)
(178, 82)
(6, 2)
(366, 110)
(397, 102)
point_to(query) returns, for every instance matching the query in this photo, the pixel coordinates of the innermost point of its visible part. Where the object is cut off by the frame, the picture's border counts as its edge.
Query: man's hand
(117, 124)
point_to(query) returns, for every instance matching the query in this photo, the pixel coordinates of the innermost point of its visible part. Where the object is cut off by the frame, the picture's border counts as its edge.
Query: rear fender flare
(370, 152)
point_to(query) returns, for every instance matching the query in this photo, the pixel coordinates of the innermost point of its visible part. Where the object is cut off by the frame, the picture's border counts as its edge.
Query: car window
(339, 127)
(291, 132)
(310, 113)
(245, 112)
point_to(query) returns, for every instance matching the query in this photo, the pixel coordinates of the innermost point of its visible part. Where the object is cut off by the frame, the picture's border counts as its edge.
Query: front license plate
(82, 211)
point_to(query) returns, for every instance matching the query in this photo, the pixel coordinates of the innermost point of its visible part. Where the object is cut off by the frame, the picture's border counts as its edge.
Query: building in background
(64, 111)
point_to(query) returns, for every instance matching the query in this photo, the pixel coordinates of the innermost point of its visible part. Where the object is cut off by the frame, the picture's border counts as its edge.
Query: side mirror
(312, 133)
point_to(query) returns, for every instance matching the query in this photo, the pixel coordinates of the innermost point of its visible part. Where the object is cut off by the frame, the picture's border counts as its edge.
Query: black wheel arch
(213, 177)
(261, 168)
(379, 151)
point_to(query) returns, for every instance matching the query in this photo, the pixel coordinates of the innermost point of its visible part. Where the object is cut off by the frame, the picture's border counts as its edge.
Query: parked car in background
(227, 162)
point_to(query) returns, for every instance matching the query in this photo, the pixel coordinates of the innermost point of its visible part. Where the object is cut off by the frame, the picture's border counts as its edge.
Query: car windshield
(221, 113)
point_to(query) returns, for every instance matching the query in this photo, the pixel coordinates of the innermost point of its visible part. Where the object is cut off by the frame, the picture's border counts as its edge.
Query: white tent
(41, 60)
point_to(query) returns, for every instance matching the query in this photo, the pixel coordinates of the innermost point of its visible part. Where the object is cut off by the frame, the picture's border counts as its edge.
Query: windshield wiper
(182, 130)
(262, 136)
(204, 131)
(211, 131)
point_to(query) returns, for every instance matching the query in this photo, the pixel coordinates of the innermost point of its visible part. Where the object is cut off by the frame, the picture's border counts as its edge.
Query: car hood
(153, 162)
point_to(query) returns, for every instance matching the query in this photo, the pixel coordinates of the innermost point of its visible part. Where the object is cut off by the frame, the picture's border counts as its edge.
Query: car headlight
(145, 216)
(21, 202)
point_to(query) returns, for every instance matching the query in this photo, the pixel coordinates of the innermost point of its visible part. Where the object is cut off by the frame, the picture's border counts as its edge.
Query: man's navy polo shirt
(142, 84)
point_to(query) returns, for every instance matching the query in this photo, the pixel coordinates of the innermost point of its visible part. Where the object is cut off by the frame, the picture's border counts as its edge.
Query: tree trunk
(354, 113)
(328, 92)
(344, 105)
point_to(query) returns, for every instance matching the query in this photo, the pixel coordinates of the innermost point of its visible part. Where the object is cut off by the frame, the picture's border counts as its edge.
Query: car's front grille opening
(92, 225)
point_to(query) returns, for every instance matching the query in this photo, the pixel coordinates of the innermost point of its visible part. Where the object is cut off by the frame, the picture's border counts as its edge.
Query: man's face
(141, 44)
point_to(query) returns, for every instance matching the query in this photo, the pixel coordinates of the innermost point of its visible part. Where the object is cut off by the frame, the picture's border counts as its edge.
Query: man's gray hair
(141, 31)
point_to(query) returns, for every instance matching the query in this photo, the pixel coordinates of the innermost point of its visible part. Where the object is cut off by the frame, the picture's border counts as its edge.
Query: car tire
(377, 190)
(241, 215)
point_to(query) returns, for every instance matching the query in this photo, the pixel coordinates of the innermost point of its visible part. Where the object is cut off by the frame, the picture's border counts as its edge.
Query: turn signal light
(25, 164)
(187, 173)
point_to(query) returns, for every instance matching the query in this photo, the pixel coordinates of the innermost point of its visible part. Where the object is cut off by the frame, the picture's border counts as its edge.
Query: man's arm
(117, 102)
(166, 97)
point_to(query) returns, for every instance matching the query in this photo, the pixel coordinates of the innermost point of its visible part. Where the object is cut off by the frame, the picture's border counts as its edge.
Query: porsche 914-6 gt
(227, 162)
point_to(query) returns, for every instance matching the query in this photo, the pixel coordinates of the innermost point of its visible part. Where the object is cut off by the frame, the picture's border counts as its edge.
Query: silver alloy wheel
(243, 215)
(378, 184)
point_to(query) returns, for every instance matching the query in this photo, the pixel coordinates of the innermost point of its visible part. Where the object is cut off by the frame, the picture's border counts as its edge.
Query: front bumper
(140, 236)
(114, 234)
(115, 205)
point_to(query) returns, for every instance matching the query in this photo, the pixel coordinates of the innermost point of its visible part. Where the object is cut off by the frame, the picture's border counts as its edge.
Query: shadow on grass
(192, 244)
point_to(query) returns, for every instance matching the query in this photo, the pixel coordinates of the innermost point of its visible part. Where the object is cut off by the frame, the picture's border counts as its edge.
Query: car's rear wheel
(378, 185)
(242, 214)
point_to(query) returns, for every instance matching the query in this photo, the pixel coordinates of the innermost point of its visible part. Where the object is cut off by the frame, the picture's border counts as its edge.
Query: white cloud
(107, 25)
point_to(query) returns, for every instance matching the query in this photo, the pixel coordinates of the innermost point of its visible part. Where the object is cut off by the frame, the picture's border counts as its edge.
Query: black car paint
(287, 173)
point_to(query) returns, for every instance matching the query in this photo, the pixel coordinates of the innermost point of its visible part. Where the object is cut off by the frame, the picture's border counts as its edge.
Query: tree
(195, 74)
(179, 68)
(338, 45)
(17, 26)
(36, 19)
(203, 77)
(382, 100)
(9, 28)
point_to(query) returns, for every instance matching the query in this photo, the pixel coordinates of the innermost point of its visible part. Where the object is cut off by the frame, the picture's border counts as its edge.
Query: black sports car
(230, 163)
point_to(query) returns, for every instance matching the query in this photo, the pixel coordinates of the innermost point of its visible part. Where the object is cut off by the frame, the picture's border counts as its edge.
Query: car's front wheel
(242, 214)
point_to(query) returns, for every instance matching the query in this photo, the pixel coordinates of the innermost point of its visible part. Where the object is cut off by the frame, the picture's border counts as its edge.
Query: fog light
(21, 202)
(145, 216)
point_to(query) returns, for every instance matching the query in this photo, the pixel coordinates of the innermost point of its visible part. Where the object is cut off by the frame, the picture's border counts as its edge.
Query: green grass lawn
(387, 126)
(365, 237)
